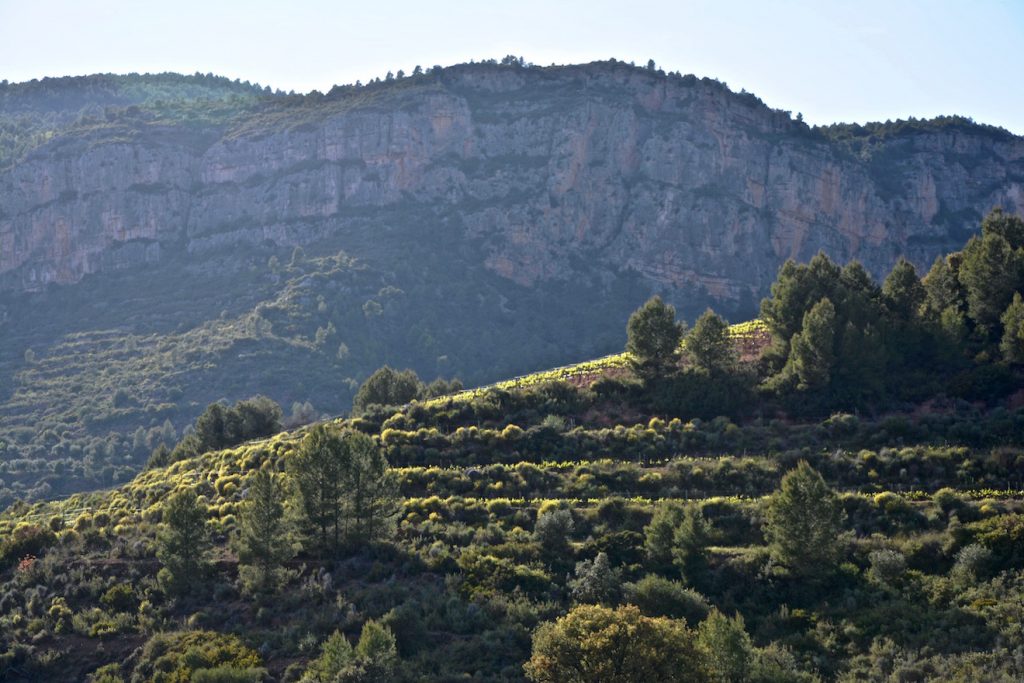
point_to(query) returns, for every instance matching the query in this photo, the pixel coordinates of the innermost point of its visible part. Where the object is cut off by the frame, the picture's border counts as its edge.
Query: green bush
(657, 596)
(176, 656)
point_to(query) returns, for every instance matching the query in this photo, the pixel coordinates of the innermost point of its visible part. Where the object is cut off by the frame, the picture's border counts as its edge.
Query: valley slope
(168, 241)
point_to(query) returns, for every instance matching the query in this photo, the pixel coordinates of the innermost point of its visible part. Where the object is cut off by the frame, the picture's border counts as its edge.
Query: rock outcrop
(676, 178)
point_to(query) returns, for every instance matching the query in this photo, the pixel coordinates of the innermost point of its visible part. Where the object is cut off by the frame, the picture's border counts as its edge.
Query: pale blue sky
(859, 60)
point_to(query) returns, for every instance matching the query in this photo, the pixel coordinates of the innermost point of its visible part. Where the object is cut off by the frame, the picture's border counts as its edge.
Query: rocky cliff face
(547, 171)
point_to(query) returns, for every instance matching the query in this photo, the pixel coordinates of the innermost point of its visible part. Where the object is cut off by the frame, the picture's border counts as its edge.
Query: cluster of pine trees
(841, 341)
(337, 495)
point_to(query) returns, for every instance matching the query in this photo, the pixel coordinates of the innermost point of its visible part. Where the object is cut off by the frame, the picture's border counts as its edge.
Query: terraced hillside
(833, 493)
(473, 566)
(167, 241)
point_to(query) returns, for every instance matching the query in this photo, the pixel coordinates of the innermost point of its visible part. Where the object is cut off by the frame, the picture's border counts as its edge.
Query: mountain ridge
(445, 142)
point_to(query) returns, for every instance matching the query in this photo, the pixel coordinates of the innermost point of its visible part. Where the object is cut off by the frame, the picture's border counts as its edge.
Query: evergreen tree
(796, 289)
(903, 292)
(990, 274)
(690, 541)
(376, 653)
(220, 426)
(942, 286)
(160, 457)
(387, 387)
(1012, 343)
(265, 539)
(660, 532)
(374, 659)
(182, 542)
(211, 430)
(856, 279)
(812, 353)
(346, 492)
(859, 373)
(804, 523)
(336, 655)
(653, 334)
(369, 490)
(953, 325)
(727, 649)
(709, 346)
(552, 531)
(254, 418)
(1006, 225)
(317, 470)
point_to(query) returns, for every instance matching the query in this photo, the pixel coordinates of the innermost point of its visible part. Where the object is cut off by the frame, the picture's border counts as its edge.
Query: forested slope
(736, 507)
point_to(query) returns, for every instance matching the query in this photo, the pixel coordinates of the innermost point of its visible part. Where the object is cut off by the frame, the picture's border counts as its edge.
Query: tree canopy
(388, 387)
(593, 644)
(653, 335)
(804, 523)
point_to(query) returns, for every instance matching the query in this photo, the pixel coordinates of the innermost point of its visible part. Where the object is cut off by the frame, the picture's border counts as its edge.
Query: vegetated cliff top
(71, 102)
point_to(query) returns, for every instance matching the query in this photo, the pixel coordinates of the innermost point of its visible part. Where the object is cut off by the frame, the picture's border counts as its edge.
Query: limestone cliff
(548, 171)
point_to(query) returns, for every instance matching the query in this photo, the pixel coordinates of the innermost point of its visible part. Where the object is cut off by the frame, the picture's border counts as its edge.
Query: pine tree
(211, 430)
(373, 659)
(265, 538)
(377, 653)
(183, 542)
(317, 470)
(728, 650)
(942, 286)
(794, 291)
(653, 334)
(1006, 225)
(346, 491)
(812, 352)
(804, 523)
(370, 491)
(903, 292)
(1012, 343)
(387, 387)
(709, 346)
(659, 533)
(336, 655)
(690, 543)
(990, 273)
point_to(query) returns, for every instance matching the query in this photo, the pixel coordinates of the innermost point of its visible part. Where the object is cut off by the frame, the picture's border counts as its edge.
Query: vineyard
(750, 338)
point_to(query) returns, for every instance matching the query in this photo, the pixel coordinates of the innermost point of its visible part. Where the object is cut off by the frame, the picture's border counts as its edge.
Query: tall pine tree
(183, 542)
(804, 523)
(265, 540)
(812, 350)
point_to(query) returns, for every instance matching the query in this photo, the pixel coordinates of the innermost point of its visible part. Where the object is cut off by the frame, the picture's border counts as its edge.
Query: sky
(844, 60)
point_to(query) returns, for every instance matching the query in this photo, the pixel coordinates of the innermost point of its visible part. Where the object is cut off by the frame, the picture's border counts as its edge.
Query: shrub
(553, 528)
(972, 564)
(229, 674)
(26, 539)
(120, 598)
(595, 581)
(657, 596)
(593, 643)
(177, 655)
(887, 567)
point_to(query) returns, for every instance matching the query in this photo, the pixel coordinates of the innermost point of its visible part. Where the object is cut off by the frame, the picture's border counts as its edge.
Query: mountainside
(679, 511)
(679, 179)
(514, 507)
(167, 241)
